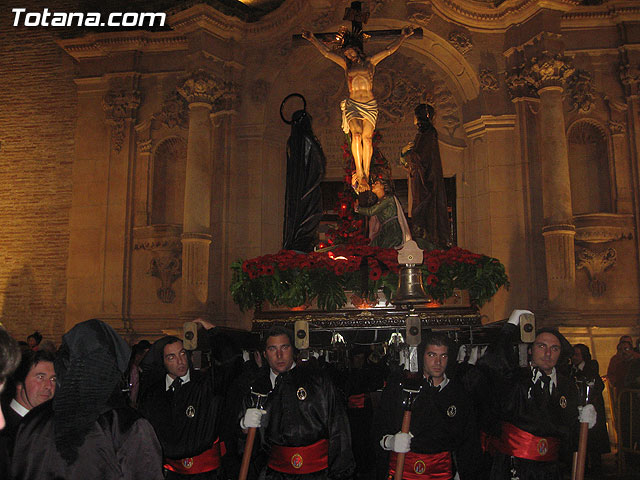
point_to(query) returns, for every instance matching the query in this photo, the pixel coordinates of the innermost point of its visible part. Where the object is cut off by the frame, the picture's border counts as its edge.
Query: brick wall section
(37, 119)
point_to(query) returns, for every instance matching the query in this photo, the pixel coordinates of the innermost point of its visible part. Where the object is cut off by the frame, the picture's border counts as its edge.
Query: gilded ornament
(191, 411)
(301, 394)
(451, 411)
(563, 401)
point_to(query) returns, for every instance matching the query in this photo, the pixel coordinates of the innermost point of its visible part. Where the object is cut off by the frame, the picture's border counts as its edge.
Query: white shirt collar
(168, 380)
(443, 383)
(581, 366)
(537, 375)
(19, 409)
(273, 375)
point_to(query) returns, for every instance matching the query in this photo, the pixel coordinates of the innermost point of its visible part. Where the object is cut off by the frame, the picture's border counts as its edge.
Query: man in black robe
(537, 406)
(428, 209)
(184, 406)
(443, 438)
(87, 431)
(33, 383)
(304, 429)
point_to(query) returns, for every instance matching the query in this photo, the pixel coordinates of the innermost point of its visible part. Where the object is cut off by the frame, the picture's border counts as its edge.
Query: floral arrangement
(291, 279)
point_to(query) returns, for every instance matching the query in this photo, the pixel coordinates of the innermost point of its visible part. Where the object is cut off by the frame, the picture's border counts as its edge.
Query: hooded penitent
(92, 359)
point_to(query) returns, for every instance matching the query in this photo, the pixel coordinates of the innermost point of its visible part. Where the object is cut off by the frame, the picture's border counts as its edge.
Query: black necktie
(545, 382)
(176, 384)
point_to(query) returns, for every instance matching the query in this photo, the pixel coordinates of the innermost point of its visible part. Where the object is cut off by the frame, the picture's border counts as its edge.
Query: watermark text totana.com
(45, 18)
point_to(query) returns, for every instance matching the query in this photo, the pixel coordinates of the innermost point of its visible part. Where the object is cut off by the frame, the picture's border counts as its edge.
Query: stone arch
(167, 181)
(589, 167)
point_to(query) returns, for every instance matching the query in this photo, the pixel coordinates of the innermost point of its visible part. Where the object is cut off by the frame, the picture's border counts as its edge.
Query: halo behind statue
(304, 107)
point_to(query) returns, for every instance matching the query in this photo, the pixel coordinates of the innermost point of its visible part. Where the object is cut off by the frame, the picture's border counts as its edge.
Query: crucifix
(360, 110)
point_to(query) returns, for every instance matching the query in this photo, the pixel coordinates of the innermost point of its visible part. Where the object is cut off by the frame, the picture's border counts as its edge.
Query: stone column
(199, 90)
(630, 79)
(548, 73)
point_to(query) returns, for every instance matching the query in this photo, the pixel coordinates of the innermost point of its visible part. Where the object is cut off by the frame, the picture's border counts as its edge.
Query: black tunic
(291, 421)
(120, 446)
(516, 400)
(441, 421)
(7, 437)
(182, 435)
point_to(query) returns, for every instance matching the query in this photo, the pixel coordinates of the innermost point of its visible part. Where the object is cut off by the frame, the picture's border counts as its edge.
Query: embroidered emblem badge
(563, 401)
(543, 446)
(296, 461)
(187, 462)
(191, 412)
(451, 411)
(301, 393)
(419, 467)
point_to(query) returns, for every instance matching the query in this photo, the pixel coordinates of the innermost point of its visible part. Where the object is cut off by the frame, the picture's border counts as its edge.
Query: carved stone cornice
(496, 18)
(630, 78)
(461, 41)
(118, 106)
(596, 263)
(603, 227)
(580, 91)
(202, 87)
(110, 43)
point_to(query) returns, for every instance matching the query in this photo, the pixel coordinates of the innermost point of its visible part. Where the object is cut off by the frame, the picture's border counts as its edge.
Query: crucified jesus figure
(360, 110)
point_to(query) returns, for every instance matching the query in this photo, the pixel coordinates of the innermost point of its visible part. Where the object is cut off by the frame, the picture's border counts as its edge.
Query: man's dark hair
(9, 355)
(584, 350)
(29, 360)
(276, 331)
(37, 336)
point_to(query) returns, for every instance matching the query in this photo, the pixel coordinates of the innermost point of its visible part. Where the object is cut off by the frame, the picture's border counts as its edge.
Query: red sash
(356, 401)
(299, 460)
(207, 461)
(521, 444)
(423, 466)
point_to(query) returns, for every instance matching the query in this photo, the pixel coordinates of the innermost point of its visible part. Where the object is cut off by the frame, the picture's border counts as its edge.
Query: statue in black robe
(303, 198)
(428, 208)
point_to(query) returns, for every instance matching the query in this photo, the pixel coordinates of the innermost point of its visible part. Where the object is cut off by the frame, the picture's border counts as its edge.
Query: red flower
(340, 267)
(433, 264)
(432, 280)
(375, 273)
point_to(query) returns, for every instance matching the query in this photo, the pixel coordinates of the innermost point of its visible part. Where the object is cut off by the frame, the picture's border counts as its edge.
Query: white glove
(587, 414)
(399, 443)
(514, 318)
(252, 418)
(473, 358)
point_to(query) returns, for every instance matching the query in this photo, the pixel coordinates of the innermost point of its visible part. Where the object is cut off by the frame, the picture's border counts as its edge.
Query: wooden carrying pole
(581, 455)
(246, 456)
(406, 424)
(577, 472)
(260, 398)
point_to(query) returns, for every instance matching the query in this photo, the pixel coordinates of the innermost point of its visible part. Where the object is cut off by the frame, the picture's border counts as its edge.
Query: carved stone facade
(195, 107)
(120, 106)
